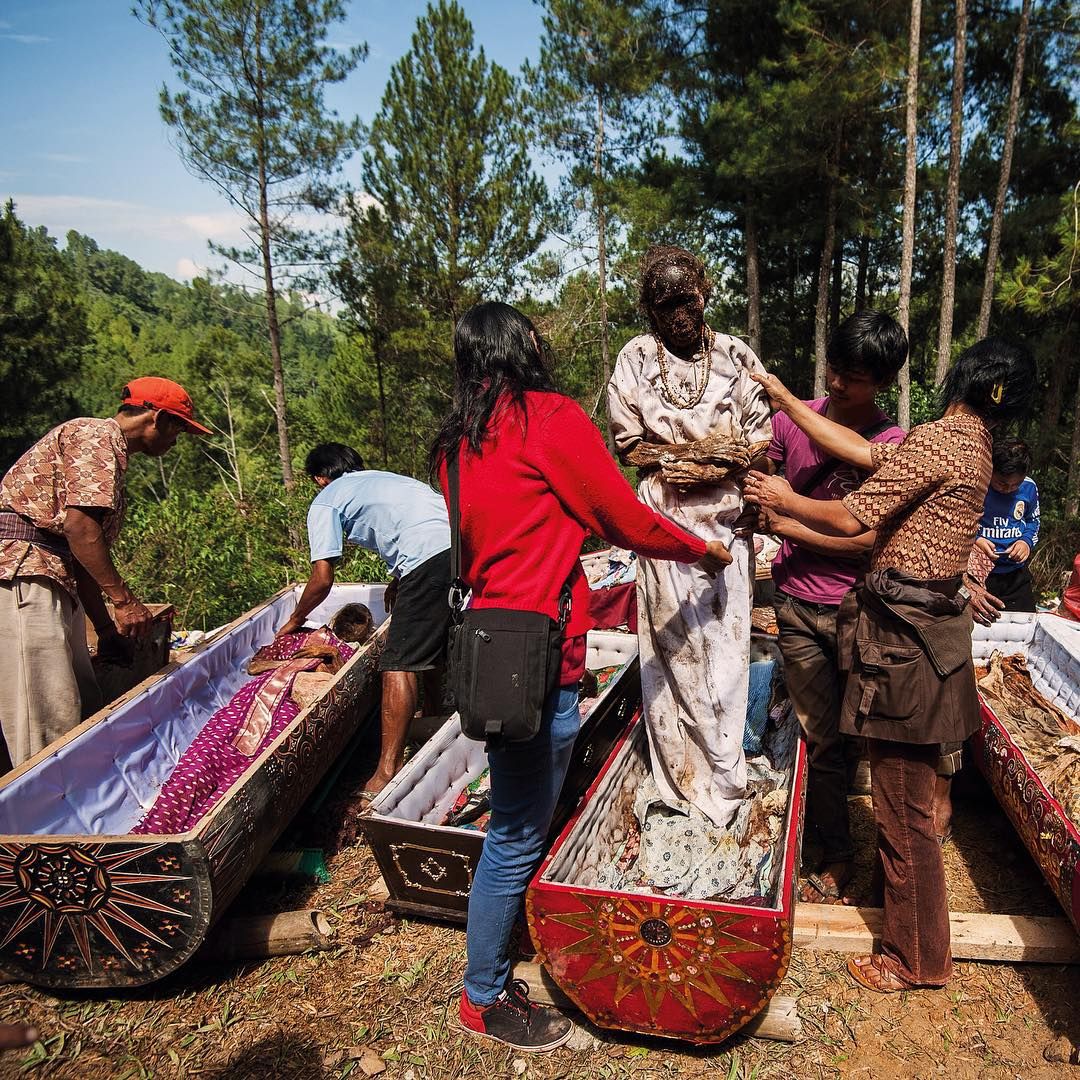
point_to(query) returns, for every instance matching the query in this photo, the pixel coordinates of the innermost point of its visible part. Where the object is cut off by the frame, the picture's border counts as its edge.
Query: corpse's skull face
(675, 298)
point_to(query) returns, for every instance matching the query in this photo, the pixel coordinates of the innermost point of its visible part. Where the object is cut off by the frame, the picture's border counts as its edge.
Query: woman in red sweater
(535, 480)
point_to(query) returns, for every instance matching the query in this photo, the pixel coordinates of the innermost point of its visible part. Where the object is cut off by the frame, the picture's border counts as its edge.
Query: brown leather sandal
(876, 973)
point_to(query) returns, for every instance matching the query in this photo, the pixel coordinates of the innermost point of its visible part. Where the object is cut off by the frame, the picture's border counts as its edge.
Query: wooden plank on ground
(778, 1020)
(1014, 938)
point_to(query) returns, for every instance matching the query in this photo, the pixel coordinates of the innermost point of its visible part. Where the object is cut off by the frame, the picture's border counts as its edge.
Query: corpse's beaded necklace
(702, 365)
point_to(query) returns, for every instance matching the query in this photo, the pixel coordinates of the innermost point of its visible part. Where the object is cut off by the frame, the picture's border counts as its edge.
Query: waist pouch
(503, 664)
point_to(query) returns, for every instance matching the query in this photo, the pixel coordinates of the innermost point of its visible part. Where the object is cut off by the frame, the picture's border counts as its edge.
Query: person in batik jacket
(61, 507)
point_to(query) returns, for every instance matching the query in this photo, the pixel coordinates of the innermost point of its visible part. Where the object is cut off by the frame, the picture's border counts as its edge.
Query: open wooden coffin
(428, 866)
(83, 901)
(1051, 646)
(635, 959)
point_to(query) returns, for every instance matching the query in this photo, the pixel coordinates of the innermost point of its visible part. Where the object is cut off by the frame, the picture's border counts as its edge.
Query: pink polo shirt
(818, 579)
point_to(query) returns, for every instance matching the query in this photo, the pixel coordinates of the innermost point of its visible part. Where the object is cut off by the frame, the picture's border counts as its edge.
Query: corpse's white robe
(693, 631)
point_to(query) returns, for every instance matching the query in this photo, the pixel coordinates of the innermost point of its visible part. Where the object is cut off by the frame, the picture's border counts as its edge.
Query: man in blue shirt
(405, 522)
(1009, 529)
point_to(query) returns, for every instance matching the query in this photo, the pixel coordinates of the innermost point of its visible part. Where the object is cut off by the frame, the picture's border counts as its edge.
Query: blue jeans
(526, 779)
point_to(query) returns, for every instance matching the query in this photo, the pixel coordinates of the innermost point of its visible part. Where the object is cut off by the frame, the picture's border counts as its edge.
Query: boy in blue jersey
(405, 522)
(1009, 529)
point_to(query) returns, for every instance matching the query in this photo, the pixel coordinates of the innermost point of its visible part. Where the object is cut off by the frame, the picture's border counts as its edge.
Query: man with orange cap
(61, 507)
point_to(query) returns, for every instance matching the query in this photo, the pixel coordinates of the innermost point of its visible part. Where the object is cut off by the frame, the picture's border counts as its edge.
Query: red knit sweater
(529, 499)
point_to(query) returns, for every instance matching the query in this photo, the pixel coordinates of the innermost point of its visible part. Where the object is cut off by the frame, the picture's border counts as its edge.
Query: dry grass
(384, 998)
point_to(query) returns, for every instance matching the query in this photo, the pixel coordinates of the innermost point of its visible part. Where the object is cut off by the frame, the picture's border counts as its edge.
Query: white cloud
(219, 227)
(26, 39)
(64, 159)
(186, 269)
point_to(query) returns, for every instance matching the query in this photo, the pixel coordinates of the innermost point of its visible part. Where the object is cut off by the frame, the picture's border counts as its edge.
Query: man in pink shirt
(812, 572)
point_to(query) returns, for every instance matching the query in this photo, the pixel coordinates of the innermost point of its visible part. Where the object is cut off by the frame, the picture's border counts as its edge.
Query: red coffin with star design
(688, 969)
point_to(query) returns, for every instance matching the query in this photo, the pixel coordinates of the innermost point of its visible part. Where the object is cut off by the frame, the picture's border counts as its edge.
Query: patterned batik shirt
(80, 463)
(925, 497)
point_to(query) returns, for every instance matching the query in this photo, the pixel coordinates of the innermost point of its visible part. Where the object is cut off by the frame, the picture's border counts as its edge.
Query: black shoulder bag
(502, 663)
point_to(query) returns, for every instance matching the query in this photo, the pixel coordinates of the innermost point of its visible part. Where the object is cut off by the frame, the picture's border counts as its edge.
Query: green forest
(919, 157)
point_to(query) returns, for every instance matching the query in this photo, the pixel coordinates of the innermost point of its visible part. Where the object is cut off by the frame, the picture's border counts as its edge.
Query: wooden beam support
(778, 1020)
(1018, 939)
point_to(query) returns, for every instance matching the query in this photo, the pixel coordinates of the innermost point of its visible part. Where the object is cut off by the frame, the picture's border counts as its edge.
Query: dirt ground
(384, 998)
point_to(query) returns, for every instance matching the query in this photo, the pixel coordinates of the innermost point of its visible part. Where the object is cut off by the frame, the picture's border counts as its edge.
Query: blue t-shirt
(1008, 518)
(402, 519)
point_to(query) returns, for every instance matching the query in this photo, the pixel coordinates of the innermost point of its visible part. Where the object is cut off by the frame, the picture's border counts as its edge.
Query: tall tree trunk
(993, 247)
(379, 344)
(952, 196)
(1055, 395)
(821, 309)
(907, 250)
(860, 276)
(837, 283)
(1072, 485)
(753, 280)
(601, 257)
(272, 327)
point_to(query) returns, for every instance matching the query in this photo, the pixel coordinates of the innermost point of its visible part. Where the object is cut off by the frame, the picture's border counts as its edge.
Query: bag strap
(456, 596)
(830, 465)
(457, 586)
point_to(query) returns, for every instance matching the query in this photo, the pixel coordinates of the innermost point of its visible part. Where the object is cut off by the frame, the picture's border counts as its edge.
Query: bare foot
(15, 1035)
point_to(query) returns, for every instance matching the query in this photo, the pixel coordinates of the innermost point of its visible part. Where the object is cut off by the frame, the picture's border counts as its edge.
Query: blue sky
(84, 147)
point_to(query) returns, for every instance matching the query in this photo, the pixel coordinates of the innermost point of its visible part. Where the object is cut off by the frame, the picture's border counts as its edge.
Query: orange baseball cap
(150, 392)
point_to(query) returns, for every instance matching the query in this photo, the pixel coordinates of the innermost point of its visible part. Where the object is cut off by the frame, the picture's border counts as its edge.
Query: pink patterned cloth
(213, 763)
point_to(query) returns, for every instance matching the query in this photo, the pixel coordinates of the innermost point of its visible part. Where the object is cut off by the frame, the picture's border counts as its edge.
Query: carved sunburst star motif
(657, 949)
(75, 887)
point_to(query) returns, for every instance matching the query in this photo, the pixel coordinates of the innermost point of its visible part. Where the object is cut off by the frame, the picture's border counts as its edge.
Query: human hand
(769, 521)
(985, 607)
(716, 557)
(769, 492)
(132, 618)
(780, 397)
(390, 596)
(1019, 551)
(113, 647)
(291, 625)
(986, 547)
(745, 524)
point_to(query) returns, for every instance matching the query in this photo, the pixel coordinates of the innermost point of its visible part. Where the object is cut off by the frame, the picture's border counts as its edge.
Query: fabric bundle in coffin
(428, 864)
(1026, 745)
(86, 902)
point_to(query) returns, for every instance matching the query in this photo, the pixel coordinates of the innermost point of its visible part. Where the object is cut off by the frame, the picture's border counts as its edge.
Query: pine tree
(448, 168)
(952, 195)
(590, 92)
(252, 120)
(907, 253)
(42, 334)
(994, 243)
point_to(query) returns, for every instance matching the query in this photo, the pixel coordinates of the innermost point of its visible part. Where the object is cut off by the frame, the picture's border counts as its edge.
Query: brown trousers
(915, 928)
(807, 642)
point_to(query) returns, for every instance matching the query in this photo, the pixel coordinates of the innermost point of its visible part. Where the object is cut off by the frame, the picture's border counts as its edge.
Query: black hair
(993, 378)
(494, 354)
(332, 459)
(353, 623)
(1011, 456)
(660, 258)
(869, 343)
(141, 410)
